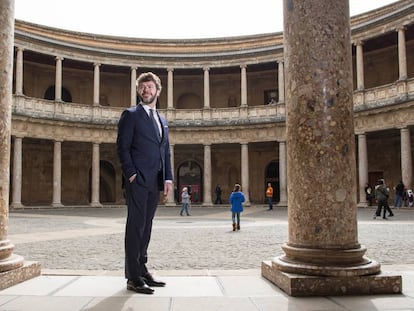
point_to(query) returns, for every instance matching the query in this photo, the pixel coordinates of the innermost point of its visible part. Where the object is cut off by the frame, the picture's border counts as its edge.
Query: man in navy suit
(144, 152)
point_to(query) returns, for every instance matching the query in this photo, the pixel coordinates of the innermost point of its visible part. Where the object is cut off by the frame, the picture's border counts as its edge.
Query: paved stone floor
(207, 266)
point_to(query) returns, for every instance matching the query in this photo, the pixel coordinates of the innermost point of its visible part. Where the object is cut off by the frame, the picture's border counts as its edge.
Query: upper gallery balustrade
(73, 112)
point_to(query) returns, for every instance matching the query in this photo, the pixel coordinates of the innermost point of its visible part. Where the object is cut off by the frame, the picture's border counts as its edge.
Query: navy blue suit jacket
(139, 149)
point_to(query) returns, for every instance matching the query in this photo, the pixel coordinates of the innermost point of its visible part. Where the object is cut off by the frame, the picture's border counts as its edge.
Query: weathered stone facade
(218, 95)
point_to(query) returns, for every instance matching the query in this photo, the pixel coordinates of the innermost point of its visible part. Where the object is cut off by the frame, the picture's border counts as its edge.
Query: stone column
(206, 87)
(133, 86)
(282, 174)
(245, 172)
(96, 76)
(362, 168)
(402, 57)
(170, 86)
(406, 159)
(58, 79)
(171, 199)
(281, 80)
(57, 174)
(243, 82)
(207, 176)
(19, 71)
(360, 65)
(322, 255)
(95, 176)
(17, 173)
(13, 268)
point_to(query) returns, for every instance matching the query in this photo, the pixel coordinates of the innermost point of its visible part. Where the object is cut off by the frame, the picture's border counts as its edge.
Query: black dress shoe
(139, 286)
(149, 279)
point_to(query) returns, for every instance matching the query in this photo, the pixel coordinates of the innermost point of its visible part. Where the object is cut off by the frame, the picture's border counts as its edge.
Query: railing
(384, 95)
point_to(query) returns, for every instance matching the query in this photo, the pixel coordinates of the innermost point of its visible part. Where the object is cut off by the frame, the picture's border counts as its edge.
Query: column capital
(280, 60)
(206, 68)
(19, 48)
(243, 66)
(59, 58)
(134, 67)
(398, 28)
(96, 64)
(358, 42)
(170, 69)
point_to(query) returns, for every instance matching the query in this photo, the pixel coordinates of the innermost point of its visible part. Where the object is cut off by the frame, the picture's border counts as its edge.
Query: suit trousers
(142, 203)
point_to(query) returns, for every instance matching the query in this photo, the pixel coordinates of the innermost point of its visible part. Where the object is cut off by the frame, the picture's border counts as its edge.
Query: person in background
(185, 200)
(269, 196)
(382, 194)
(369, 195)
(399, 193)
(217, 191)
(236, 200)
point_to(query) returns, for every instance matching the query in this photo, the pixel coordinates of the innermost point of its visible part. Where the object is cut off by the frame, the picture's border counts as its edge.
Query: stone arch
(189, 101)
(50, 94)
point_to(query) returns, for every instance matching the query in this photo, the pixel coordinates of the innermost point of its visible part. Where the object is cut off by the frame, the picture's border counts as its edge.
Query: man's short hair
(149, 76)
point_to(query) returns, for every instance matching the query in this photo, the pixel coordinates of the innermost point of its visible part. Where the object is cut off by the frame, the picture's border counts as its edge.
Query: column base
(28, 270)
(16, 205)
(170, 204)
(95, 204)
(56, 205)
(300, 285)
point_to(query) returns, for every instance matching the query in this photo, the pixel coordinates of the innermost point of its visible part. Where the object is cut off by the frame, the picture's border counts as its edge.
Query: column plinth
(322, 255)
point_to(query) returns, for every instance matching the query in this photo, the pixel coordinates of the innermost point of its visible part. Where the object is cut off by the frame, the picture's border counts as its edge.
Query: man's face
(148, 92)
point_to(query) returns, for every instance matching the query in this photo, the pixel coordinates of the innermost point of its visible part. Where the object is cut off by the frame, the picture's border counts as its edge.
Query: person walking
(382, 194)
(269, 196)
(185, 200)
(236, 200)
(144, 153)
(218, 191)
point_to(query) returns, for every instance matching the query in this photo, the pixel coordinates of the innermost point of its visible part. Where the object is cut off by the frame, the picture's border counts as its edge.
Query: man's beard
(149, 100)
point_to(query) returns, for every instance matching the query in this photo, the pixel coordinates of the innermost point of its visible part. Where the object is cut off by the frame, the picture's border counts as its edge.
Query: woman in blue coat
(236, 200)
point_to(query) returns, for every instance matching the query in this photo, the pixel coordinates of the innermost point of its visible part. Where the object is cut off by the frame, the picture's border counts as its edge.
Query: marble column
(57, 174)
(19, 71)
(322, 255)
(362, 169)
(207, 176)
(95, 176)
(13, 268)
(360, 65)
(243, 82)
(281, 80)
(58, 79)
(282, 174)
(402, 56)
(96, 78)
(170, 198)
(406, 159)
(245, 172)
(206, 87)
(17, 173)
(170, 88)
(133, 86)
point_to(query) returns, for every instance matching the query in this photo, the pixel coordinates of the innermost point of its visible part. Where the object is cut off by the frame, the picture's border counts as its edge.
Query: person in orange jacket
(269, 196)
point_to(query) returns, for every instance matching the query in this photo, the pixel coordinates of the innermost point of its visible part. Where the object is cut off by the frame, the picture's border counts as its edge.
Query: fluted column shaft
(133, 86)
(170, 88)
(17, 173)
(243, 86)
(402, 56)
(362, 168)
(96, 78)
(207, 175)
(281, 80)
(19, 71)
(245, 172)
(282, 174)
(206, 87)
(95, 176)
(406, 158)
(58, 79)
(360, 65)
(57, 174)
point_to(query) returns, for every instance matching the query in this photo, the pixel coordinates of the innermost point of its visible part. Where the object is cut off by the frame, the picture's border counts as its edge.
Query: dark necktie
(157, 130)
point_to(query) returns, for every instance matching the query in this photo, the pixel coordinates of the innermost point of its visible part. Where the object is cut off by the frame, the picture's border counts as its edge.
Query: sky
(166, 19)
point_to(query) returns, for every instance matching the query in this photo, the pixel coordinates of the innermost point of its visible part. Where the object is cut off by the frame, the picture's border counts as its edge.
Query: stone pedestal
(322, 255)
